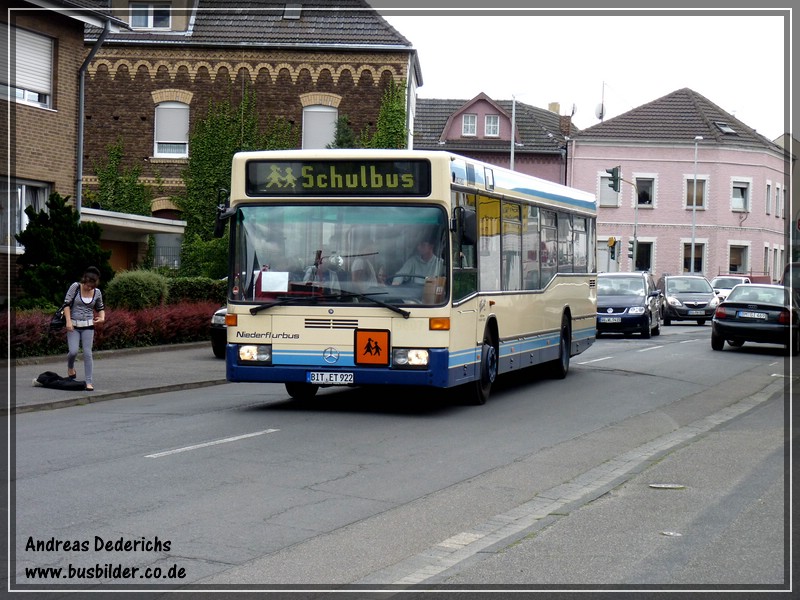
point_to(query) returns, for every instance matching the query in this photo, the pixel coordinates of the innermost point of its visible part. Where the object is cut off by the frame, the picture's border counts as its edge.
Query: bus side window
(465, 275)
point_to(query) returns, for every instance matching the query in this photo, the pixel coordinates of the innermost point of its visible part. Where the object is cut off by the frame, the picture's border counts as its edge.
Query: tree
(58, 248)
(344, 136)
(391, 129)
(119, 188)
(225, 130)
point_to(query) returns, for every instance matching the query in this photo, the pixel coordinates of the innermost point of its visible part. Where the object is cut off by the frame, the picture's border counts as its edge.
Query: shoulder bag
(58, 321)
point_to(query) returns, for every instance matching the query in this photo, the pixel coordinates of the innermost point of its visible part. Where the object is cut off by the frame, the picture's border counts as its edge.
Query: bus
(402, 268)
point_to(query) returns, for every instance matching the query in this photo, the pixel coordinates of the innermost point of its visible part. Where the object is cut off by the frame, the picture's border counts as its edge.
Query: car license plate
(746, 314)
(696, 312)
(327, 378)
(611, 319)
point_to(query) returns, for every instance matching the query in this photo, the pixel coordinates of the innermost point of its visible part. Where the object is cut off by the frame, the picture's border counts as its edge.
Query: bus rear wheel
(301, 391)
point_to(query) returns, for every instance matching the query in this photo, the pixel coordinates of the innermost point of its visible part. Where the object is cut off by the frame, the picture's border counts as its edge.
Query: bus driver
(421, 265)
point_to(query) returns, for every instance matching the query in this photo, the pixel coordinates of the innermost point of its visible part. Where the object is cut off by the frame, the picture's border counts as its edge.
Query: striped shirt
(80, 310)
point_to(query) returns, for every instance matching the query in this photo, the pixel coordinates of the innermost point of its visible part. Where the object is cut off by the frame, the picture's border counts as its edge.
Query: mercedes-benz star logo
(330, 355)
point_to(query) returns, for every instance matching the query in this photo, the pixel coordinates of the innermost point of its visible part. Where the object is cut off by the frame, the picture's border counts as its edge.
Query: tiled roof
(537, 129)
(339, 24)
(677, 117)
(95, 7)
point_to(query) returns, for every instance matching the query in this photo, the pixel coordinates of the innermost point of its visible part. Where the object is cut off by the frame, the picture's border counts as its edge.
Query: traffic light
(631, 248)
(612, 247)
(615, 178)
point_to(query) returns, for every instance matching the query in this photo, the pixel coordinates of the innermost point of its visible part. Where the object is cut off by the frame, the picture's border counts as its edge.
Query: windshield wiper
(369, 297)
(316, 298)
(292, 300)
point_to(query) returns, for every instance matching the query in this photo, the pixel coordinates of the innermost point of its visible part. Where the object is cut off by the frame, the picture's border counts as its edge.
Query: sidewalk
(117, 374)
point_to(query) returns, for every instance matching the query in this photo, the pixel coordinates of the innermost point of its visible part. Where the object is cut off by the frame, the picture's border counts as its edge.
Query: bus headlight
(260, 354)
(409, 357)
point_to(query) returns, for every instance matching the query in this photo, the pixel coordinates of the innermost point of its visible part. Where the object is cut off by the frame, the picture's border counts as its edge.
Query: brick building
(41, 104)
(308, 63)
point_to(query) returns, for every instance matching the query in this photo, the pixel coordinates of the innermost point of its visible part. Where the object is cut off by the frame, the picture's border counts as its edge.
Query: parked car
(219, 332)
(725, 283)
(687, 298)
(628, 303)
(761, 313)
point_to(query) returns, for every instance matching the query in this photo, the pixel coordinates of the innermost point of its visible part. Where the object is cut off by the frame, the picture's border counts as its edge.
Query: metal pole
(694, 203)
(513, 123)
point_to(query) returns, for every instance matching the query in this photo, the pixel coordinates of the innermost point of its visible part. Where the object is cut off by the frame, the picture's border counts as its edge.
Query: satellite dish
(600, 111)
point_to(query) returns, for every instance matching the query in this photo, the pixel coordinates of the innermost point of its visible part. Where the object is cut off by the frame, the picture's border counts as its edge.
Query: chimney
(565, 124)
(554, 107)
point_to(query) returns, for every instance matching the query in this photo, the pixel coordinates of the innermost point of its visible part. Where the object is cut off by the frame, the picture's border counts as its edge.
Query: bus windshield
(340, 253)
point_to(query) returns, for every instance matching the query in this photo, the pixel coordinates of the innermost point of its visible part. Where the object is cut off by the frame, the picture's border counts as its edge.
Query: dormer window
(150, 15)
(292, 11)
(492, 125)
(724, 127)
(469, 125)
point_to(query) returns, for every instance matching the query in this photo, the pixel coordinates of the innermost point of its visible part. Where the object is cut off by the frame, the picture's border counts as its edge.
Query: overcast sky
(738, 61)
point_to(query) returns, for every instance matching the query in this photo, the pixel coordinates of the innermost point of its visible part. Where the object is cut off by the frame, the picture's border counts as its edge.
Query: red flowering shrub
(168, 324)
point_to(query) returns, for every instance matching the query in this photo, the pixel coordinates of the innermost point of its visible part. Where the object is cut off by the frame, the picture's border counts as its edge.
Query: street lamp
(697, 138)
(513, 125)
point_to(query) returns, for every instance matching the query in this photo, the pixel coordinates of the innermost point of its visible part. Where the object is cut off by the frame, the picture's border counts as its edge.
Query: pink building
(738, 223)
(481, 128)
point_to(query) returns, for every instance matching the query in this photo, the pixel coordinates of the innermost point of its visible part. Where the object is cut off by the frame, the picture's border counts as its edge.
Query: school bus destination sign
(339, 178)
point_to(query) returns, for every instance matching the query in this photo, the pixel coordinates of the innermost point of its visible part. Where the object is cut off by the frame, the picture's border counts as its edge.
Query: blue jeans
(84, 338)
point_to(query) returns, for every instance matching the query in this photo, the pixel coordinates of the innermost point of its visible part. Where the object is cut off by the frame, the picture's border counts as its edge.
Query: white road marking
(212, 443)
(650, 348)
(586, 362)
(689, 341)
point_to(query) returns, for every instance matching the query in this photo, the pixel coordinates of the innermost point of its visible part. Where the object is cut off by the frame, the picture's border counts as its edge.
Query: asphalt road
(548, 484)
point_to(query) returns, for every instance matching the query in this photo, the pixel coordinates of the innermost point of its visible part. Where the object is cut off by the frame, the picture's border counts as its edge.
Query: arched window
(319, 126)
(172, 130)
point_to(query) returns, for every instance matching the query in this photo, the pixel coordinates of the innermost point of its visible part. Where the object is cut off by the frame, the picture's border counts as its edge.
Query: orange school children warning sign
(371, 347)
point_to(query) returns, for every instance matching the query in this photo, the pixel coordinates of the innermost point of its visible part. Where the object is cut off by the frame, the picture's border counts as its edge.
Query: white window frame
(171, 130)
(747, 252)
(688, 187)
(635, 190)
(469, 125)
(319, 126)
(768, 204)
(745, 183)
(492, 125)
(606, 197)
(33, 67)
(700, 251)
(153, 9)
(15, 197)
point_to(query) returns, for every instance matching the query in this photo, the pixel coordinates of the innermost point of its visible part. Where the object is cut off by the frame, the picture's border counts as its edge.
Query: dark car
(761, 313)
(219, 332)
(628, 303)
(687, 298)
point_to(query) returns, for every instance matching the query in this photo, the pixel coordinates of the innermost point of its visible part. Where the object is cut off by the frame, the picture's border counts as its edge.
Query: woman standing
(83, 301)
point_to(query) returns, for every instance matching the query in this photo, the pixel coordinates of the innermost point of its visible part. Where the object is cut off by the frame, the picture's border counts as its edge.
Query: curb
(91, 399)
(99, 354)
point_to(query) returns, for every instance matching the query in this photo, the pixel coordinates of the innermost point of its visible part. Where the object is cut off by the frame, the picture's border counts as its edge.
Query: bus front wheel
(301, 391)
(480, 389)
(560, 366)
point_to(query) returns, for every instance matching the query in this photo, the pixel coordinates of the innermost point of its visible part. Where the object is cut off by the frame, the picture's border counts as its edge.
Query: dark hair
(91, 275)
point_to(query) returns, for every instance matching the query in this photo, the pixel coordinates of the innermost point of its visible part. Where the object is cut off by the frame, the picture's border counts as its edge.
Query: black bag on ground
(49, 379)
